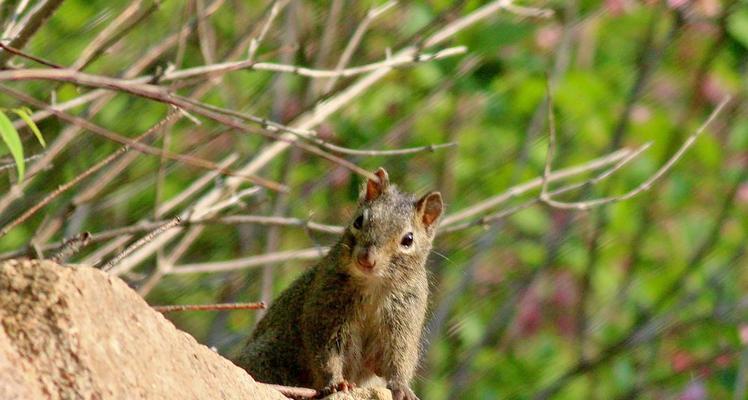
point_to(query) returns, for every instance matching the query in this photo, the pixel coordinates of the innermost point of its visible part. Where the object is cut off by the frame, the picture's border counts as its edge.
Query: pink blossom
(640, 114)
(694, 391)
(674, 4)
(548, 37)
(709, 8)
(713, 89)
(743, 330)
(618, 7)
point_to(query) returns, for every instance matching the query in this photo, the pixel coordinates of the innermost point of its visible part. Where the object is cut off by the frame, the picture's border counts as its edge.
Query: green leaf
(737, 26)
(25, 115)
(13, 141)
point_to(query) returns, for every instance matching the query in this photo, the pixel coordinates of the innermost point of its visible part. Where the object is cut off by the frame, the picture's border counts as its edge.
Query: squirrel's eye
(359, 222)
(407, 240)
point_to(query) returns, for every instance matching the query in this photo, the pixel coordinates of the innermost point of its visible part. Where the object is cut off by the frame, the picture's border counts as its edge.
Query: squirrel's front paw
(401, 392)
(342, 386)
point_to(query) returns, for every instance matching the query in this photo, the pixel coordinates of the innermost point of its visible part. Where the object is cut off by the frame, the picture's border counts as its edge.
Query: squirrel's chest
(376, 319)
(370, 333)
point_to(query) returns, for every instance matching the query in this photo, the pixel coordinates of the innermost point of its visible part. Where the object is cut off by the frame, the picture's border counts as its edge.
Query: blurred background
(643, 298)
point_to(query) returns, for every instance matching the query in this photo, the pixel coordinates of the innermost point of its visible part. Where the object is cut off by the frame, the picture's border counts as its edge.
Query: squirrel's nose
(365, 259)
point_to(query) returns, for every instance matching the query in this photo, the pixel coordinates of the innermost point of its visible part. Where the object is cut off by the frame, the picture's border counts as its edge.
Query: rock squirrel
(359, 312)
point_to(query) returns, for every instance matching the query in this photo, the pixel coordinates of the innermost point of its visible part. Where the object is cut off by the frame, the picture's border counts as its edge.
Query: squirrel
(358, 313)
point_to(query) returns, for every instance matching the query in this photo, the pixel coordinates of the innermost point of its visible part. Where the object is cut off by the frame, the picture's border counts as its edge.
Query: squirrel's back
(272, 354)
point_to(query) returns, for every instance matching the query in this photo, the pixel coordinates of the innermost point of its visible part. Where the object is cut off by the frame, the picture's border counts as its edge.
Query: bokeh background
(644, 298)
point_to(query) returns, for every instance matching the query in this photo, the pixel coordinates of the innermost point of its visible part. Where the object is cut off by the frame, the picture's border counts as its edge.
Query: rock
(373, 393)
(78, 333)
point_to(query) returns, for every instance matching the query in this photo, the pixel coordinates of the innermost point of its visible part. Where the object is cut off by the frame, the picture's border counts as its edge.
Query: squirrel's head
(391, 232)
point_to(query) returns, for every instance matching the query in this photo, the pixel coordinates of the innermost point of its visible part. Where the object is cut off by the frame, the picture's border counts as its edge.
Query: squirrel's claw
(401, 392)
(342, 386)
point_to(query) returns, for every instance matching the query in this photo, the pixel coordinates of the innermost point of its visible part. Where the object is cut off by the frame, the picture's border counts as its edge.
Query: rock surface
(363, 394)
(78, 333)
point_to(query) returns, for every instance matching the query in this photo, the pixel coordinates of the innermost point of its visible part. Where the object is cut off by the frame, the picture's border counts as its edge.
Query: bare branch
(283, 221)
(356, 40)
(71, 246)
(646, 185)
(162, 95)
(125, 21)
(377, 153)
(205, 34)
(500, 215)
(249, 262)
(145, 226)
(20, 7)
(109, 267)
(190, 160)
(471, 19)
(529, 11)
(518, 190)
(254, 44)
(29, 56)
(210, 307)
(196, 186)
(85, 174)
(394, 62)
(12, 165)
(32, 23)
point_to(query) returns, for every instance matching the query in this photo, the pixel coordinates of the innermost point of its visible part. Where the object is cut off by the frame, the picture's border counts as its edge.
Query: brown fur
(359, 312)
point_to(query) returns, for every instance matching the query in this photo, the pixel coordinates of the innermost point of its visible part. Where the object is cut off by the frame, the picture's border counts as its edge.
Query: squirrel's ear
(374, 189)
(429, 208)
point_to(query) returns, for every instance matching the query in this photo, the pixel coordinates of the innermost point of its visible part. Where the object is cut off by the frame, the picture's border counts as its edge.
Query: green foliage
(25, 114)
(12, 139)
(737, 26)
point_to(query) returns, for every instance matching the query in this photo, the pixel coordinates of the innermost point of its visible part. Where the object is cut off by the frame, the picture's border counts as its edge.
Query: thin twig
(20, 7)
(309, 136)
(390, 63)
(520, 189)
(646, 185)
(101, 97)
(235, 199)
(162, 95)
(26, 160)
(194, 187)
(85, 174)
(529, 11)
(101, 131)
(476, 16)
(210, 307)
(138, 87)
(125, 21)
(254, 44)
(71, 247)
(76, 102)
(32, 23)
(29, 56)
(249, 262)
(227, 220)
(378, 153)
(205, 34)
(147, 238)
(356, 40)
(500, 215)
